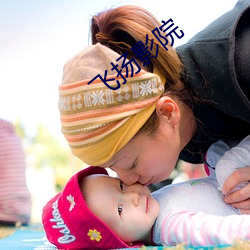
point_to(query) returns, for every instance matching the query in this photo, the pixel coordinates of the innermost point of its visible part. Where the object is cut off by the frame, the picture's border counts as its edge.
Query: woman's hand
(240, 198)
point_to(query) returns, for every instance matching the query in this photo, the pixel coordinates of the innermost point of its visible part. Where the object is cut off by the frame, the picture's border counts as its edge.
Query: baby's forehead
(98, 177)
(95, 176)
(92, 183)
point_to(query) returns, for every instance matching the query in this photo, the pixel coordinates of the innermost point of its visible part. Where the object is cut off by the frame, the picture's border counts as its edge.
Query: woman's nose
(126, 177)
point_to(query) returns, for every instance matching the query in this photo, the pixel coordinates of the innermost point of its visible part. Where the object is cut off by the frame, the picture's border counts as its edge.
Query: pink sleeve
(15, 200)
(201, 229)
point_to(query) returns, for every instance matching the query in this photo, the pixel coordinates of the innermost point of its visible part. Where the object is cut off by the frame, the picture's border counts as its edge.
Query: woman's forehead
(128, 153)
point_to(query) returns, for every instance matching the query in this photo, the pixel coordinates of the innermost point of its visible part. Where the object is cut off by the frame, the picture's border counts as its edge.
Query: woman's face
(147, 159)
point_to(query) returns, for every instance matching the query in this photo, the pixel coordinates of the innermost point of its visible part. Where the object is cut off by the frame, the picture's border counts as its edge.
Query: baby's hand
(240, 198)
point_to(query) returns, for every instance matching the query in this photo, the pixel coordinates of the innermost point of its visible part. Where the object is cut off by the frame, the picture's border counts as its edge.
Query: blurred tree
(20, 130)
(45, 150)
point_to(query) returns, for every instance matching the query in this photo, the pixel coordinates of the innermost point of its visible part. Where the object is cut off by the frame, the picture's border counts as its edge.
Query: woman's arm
(233, 175)
(237, 157)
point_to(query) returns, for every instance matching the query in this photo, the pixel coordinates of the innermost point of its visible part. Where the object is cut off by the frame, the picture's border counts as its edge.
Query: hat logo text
(67, 237)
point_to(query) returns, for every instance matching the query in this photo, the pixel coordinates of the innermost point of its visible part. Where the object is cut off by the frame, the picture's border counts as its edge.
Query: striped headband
(97, 121)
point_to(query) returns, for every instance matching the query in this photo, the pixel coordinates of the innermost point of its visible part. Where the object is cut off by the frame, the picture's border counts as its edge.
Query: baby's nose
(133, 197)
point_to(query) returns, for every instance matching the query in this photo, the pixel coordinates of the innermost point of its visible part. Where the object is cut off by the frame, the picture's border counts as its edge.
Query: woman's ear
(168, 110)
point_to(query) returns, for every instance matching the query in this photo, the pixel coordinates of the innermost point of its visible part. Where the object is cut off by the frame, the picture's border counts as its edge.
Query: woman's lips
(148, 183)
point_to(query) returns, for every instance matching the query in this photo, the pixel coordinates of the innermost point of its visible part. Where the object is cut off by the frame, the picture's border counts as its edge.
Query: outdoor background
(36, 39)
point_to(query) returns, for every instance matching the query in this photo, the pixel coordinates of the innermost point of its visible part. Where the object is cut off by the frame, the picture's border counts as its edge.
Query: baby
(96, 211)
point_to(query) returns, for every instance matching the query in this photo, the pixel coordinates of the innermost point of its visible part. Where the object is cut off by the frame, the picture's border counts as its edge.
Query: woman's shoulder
(209, 65)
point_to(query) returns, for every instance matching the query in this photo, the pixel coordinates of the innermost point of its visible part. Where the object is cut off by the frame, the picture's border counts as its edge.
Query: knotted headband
(97, 121)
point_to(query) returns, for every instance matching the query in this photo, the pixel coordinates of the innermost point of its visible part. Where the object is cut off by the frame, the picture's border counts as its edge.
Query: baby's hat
(69, 223)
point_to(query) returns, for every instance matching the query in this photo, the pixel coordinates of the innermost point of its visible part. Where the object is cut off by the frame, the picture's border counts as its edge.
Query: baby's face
(130, 211)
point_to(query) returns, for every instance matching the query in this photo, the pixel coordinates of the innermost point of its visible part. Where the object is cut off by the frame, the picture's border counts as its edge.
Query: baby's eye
(121, 185)
(120, 206)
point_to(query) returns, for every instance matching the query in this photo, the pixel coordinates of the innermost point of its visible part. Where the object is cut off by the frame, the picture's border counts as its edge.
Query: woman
(206, 98)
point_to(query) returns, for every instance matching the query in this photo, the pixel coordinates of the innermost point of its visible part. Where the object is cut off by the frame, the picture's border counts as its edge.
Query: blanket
(33, 238)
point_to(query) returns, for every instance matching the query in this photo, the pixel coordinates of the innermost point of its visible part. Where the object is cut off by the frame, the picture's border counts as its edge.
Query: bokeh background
(36, 39)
